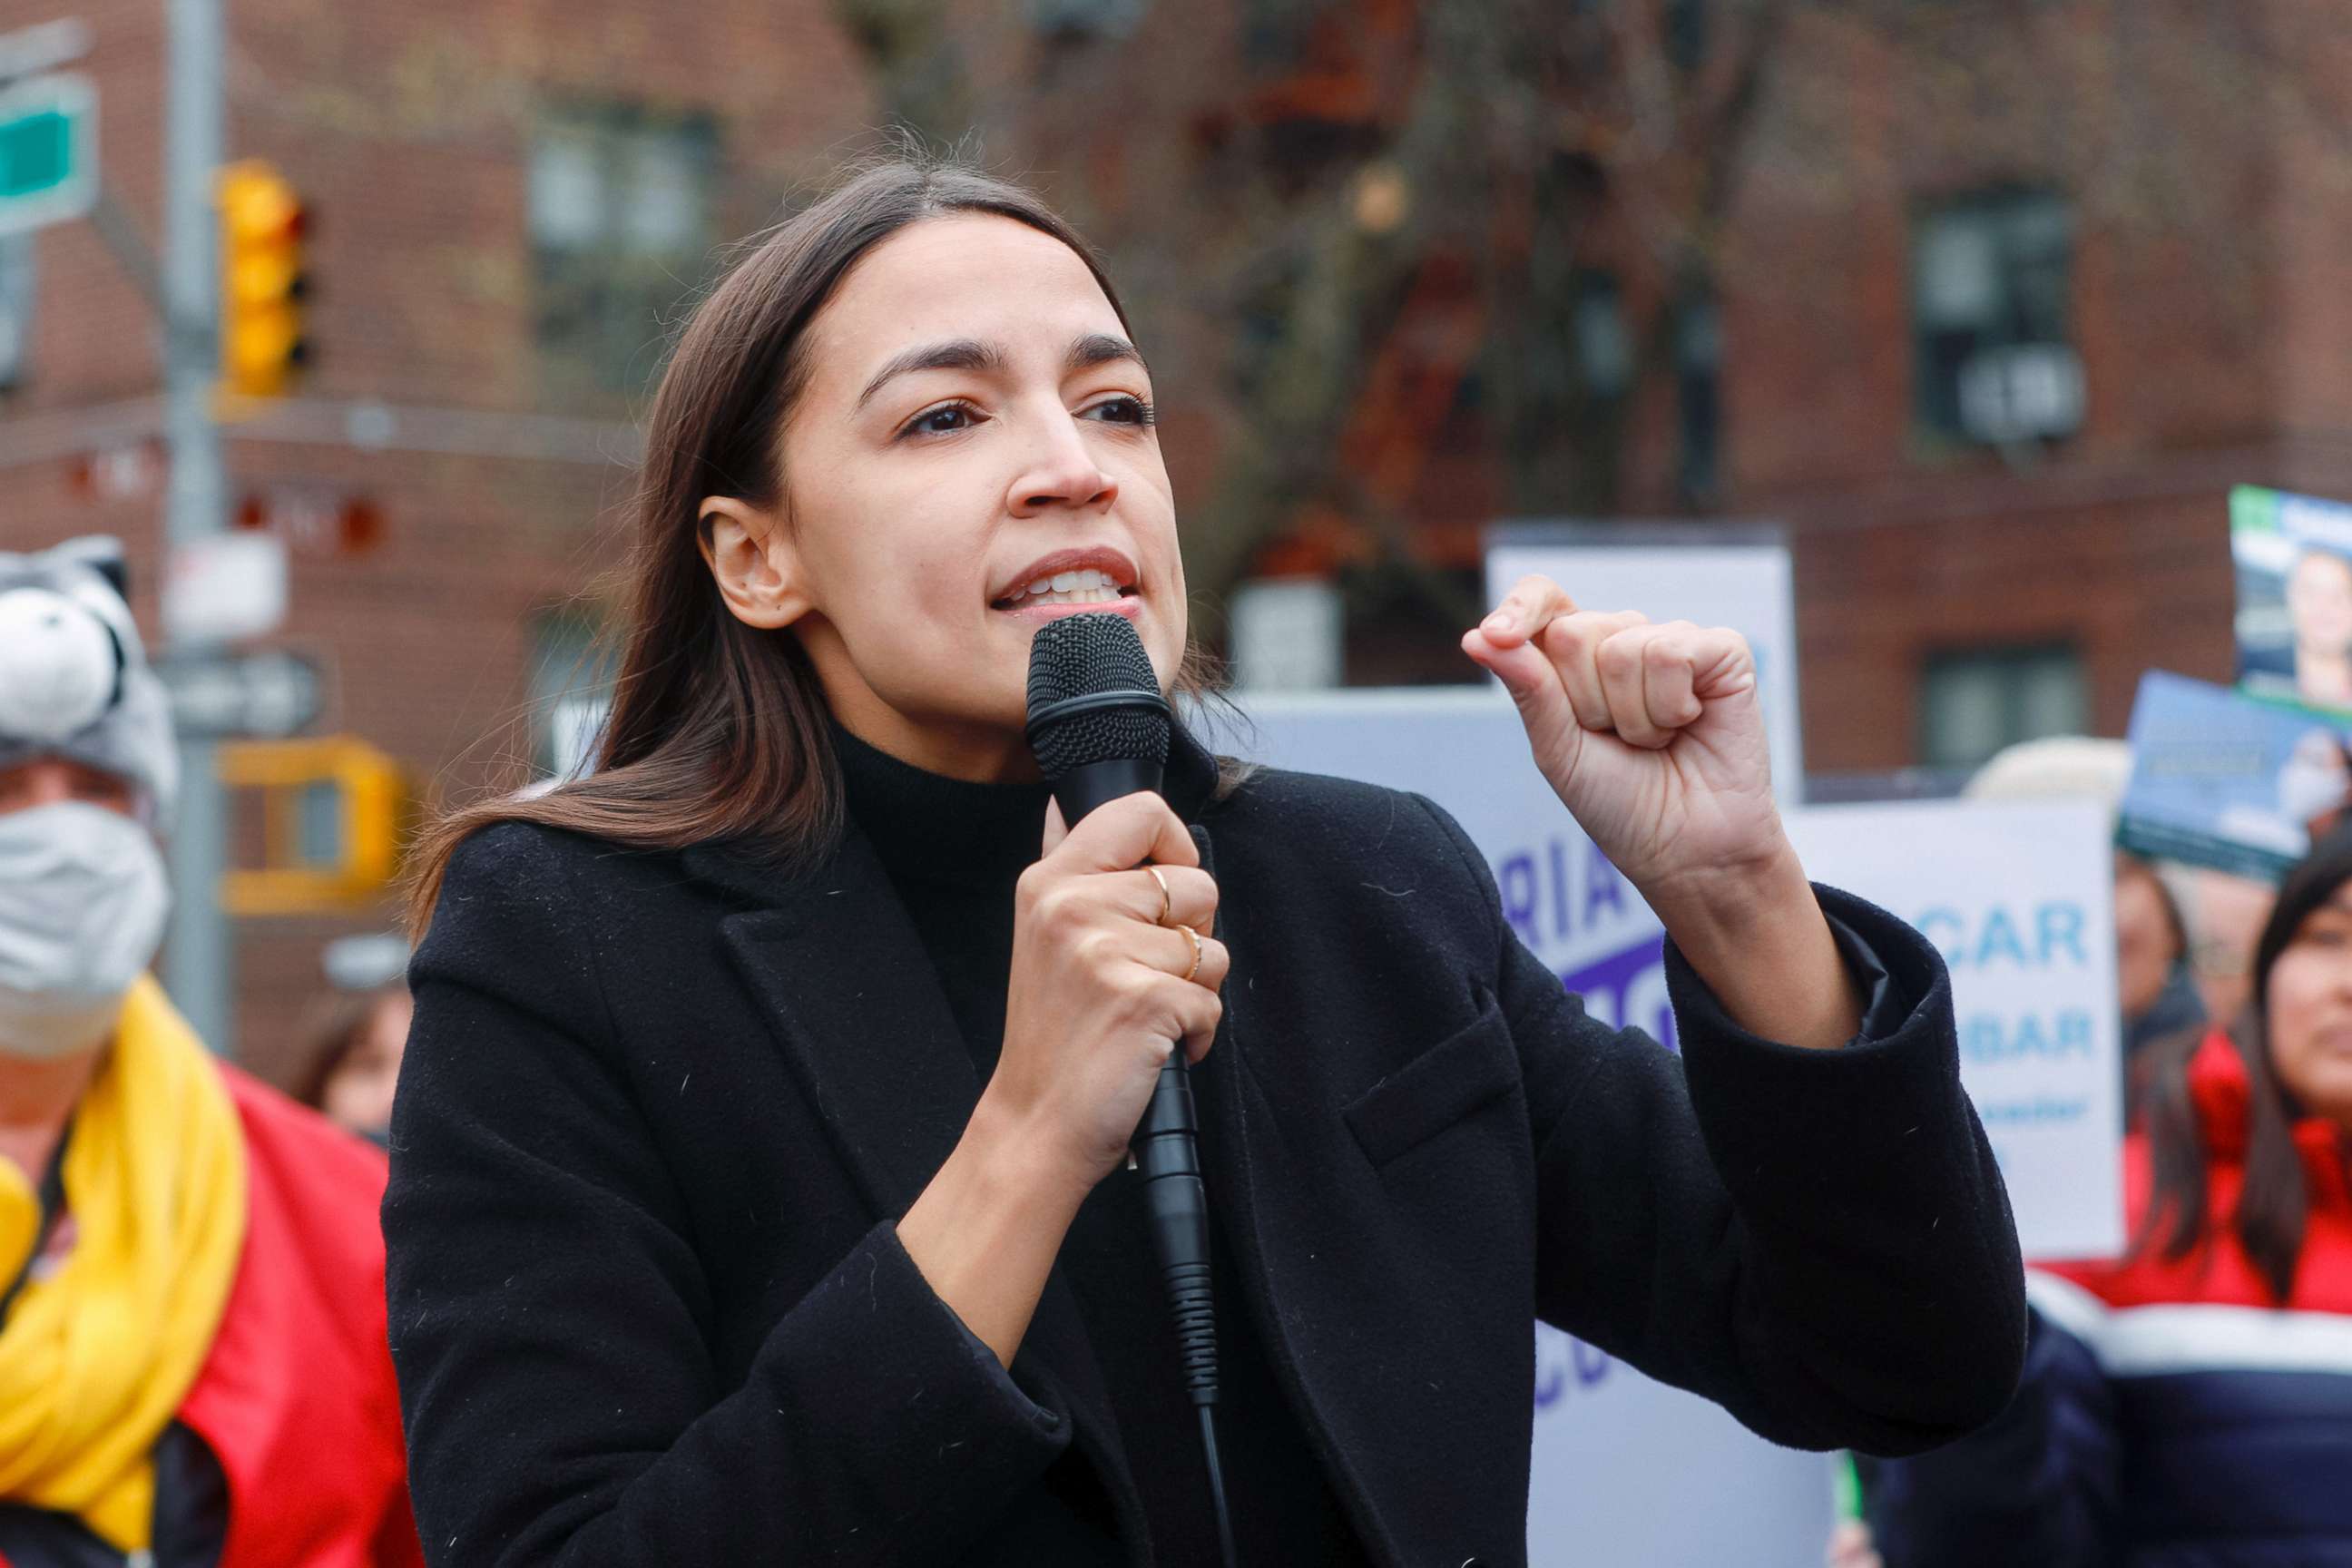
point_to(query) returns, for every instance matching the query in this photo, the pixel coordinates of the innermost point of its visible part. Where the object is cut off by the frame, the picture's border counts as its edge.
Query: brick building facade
(466, 163)
(508, 191)
(2200, 160)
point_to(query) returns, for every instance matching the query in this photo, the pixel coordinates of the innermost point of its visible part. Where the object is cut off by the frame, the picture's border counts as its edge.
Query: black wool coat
(660, 1112)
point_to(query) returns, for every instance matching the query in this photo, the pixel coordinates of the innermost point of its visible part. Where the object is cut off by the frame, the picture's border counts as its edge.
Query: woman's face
(359, 1095)
(974, 423)
(2146, 948)
(2319, 601)
(2309, 1016)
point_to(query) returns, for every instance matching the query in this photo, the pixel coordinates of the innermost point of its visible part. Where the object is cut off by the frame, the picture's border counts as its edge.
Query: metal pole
(199, 960)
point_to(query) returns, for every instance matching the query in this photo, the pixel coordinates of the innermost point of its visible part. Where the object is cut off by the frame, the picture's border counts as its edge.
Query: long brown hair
(2274, 1204)
(718, 730)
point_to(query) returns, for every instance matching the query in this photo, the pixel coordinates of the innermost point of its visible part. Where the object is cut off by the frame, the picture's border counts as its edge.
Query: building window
(1604, 342)
(1990, 278)
(16, 297)
(1974, 703)
(1082, 21)
(621, 229)
(1683, 32)
(1698, 410)
(571, 692)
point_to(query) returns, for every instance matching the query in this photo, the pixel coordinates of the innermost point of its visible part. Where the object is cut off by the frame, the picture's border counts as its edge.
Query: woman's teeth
(1082, 587)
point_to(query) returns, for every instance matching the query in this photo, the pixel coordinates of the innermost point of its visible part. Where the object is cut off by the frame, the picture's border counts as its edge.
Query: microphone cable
(1166, 1154)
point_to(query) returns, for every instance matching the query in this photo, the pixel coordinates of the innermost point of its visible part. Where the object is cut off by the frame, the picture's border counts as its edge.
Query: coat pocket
(1445, 1084)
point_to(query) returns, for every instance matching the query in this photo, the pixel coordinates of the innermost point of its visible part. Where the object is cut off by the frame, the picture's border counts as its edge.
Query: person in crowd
(2189, 1406)
(2319, 608)
(354, 1063)
(2315, 784)
(2154, 988)
(760, 1186)
(2224, 914)
(192, 1370)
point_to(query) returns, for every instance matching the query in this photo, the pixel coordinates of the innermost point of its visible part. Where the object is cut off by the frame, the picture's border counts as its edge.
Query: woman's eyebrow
(967, 353)
(960, 353)
(1102, 348)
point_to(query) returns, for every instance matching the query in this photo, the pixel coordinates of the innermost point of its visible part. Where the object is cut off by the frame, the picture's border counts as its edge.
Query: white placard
(1737, 577)
(1287, 635)
(2017, 896)
(225, 587)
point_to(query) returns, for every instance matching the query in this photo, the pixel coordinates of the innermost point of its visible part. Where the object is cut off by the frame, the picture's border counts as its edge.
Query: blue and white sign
(2017, 896)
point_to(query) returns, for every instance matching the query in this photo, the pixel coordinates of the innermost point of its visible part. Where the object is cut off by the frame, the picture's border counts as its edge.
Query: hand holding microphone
(1104, 984)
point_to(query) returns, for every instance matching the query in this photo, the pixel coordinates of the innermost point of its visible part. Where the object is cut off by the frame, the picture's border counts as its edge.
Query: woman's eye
(1121, 410)
(941, 421)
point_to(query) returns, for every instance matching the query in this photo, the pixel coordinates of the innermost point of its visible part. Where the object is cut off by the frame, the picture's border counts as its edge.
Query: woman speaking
(760, 1186)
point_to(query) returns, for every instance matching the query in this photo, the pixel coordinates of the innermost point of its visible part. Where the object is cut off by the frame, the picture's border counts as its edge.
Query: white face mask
(2307, 788)
(82, 900)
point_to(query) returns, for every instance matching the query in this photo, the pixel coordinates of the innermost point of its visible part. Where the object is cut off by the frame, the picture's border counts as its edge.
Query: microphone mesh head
(1080, 656)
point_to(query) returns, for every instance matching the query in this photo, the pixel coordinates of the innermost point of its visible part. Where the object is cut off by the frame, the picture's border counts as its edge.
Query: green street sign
(49, 151)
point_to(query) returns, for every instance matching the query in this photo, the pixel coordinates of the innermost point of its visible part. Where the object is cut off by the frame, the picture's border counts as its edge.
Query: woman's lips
(1129, 605)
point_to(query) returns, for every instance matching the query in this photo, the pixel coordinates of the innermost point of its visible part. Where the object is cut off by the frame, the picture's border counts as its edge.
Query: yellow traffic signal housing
(335, 816)
(263, 228)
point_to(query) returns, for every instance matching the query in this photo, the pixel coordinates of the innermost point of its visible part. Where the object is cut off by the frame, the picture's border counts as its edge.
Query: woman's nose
(1060, 472)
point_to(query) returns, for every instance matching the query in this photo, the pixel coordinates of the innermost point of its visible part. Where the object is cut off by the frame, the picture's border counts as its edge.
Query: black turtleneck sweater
(955, 851)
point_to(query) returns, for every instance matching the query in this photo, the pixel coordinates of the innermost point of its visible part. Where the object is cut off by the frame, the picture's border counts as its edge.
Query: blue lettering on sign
(1999, 941)
(2042, 1108)
(1564, 1364)
(2004, 1037)
(2060, 926)
(2000, 936)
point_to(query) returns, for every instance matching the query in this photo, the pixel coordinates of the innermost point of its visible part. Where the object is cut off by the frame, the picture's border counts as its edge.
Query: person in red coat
(192, 1358)
(2189, 1405)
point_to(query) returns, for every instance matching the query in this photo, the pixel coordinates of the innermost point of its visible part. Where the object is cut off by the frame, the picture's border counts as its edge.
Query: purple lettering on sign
(1628, 989)
(1560, 1359)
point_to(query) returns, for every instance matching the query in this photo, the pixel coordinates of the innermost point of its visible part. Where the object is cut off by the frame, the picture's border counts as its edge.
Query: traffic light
(336, 814)
(263, 280)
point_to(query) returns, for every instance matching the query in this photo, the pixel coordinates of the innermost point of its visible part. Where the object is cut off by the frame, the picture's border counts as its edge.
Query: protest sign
(2293, 559)
(2222, 780)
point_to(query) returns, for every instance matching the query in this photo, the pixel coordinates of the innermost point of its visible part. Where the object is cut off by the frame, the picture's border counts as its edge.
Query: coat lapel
(854, 1005)
(1219, 1086)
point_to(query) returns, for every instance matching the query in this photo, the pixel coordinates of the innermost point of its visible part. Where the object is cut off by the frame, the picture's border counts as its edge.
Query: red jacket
(2323, 1283)
(2171, 1415)
(296, 1398)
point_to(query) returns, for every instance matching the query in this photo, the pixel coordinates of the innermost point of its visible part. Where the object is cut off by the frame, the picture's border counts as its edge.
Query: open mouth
(1084, 586)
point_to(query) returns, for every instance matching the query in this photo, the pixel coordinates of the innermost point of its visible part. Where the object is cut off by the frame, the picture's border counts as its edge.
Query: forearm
(985, 1231)
(1759, 940)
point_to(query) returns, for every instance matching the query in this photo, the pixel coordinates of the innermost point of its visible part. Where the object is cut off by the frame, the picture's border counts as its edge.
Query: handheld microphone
(1100, 730)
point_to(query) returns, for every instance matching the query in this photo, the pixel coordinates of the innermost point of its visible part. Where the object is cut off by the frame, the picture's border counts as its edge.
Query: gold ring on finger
(1166, 904)
(1188, 930)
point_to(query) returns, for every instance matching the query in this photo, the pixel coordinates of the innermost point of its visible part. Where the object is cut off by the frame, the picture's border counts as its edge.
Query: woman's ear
(751, 559)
